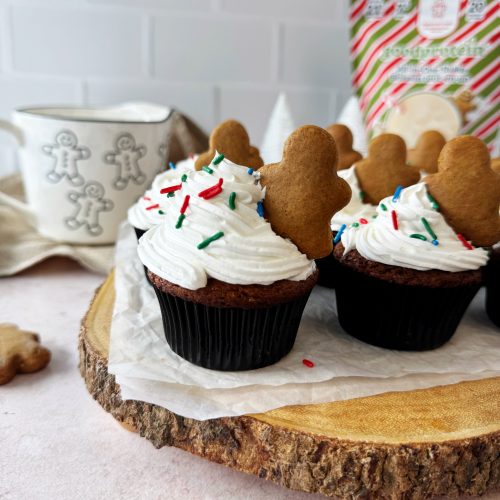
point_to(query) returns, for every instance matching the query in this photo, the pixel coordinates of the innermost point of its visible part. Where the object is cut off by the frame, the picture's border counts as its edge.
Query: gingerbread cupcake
(416, 267)
(231, 270)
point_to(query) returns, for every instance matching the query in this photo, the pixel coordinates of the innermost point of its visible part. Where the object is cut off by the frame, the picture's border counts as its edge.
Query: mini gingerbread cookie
(495, 165)
(303, 191)
(231, 139)
(426, 152)
(347, 156)
(385, 168)
(20, 352)
(465, 103)
(468, 190)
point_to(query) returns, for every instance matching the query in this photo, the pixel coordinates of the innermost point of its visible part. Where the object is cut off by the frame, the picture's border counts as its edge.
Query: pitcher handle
(14, 130)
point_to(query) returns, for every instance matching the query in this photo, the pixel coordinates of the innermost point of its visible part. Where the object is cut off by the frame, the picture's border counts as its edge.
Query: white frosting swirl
(355, 209)
(142, 217)
(378, 240)
(249, 252)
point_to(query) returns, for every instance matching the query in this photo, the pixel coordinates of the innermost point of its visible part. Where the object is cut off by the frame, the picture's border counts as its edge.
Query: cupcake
(150, 208)
(231, 289)
(413, 270)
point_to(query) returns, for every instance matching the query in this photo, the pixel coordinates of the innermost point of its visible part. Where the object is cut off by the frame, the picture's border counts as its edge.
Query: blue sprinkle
(250, 171)
(260, 209)
(397, 193)
(339, 234)
(435, 242)
(172, 165)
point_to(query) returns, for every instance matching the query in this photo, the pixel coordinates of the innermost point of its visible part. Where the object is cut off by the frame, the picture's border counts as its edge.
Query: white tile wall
(213, 59)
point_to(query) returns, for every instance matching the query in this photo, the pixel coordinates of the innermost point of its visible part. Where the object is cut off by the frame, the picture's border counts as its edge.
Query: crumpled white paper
(148, 370)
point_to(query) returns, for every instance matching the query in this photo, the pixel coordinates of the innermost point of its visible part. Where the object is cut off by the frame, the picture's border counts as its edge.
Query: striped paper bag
(427, 64)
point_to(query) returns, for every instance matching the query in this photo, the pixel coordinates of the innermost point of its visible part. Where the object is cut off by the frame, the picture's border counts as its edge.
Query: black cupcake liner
(401, 317)
(492, 279)
(229, 339)
(327, 269)
(139, 233)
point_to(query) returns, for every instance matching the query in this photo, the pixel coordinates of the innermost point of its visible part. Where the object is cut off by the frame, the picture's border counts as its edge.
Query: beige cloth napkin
(21, 246)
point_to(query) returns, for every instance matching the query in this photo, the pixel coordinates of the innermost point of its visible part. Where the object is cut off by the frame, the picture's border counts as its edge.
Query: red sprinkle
(147, 198)
(208, 192)
(465, 243)
(171, 189)
(395, 220)
(152, 207)
(363, 221)
(308, 363)
(185, 204)
(212, 193)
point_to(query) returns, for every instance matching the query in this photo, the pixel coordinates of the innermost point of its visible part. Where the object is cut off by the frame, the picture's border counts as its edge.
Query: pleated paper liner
(395, 316)
(492, 278)
(229, 339)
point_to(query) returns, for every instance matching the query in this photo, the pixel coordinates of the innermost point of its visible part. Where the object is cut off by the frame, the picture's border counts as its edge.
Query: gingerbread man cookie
(343, 139)
(465, 103)
(495, 165)
(231, 139)
(426, 152)
(303, 191)
(385, 168)
(20, 352)
(468, 190)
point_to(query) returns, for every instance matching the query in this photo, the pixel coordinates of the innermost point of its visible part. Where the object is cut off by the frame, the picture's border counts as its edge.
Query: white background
(213, 59)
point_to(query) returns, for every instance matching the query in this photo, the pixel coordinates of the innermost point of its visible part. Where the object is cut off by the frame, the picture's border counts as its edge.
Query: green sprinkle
(362, 195)
(428, 228)
(171, 194)
(218, 159)
(418, 236)
(433, 201)
(374, 216)
(207, 242)
(207, 169)
(161, 212)
(383, 207)
(232, 198)
(180, 220)
(184, 178)
(355, 224)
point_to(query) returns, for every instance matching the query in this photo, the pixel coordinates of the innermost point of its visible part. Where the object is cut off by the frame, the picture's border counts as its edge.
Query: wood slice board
(439, 441)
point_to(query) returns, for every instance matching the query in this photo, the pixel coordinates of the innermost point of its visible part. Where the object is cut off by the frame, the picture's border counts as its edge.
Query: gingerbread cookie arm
(426, 152)
(342, 135)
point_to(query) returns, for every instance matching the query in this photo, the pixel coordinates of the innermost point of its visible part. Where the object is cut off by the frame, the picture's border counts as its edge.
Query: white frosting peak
(249, 252)
(379, 241)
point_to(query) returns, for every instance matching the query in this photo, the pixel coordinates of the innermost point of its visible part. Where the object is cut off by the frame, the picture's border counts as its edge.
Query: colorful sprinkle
(180, 220)
(383, 207)
(209, 192)
(339, 234)
(363, 221)
(428, 228)
(260, 209)
(213, 193)
(208, 170)
(435, 242)
(465, 243)
(374, 216)
(355, 224)
(161, 212)
(250, 171)
(395, 220)
(218, 159)
(185, 204)
(147, 198)
(308, 363)
(152, 207)
(418, 236)
(171, 189)
(184, 178)
(397, 193)
(209, 240)
(170, 195)
(172, 165)
(362, 195)
(433, 201)
(232, 198)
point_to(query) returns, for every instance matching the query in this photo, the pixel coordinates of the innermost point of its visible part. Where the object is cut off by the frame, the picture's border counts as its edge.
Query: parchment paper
(345, 368)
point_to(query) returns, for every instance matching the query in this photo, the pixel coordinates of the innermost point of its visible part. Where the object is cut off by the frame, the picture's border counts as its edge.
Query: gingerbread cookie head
(20, 352)
(465, 103)
(231, 139)
(426, 152)
(385, 168)
(303, 191)
(342, 135)
(468, 190)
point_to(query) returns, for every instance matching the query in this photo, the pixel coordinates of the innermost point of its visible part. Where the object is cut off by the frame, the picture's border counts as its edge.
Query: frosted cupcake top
(214, 227)
(409, 231)
(150, 208)
(355, 209)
